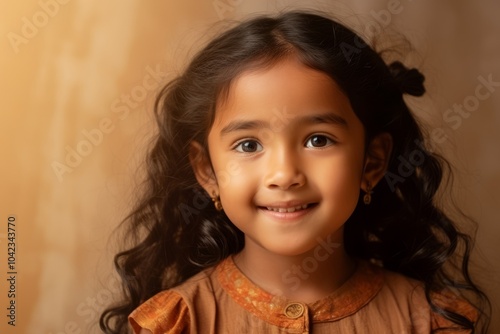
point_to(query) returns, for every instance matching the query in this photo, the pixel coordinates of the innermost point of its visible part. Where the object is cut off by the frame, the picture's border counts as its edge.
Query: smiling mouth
(289, 209)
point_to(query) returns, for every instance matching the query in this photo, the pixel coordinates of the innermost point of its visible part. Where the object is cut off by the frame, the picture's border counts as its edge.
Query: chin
(290, 250)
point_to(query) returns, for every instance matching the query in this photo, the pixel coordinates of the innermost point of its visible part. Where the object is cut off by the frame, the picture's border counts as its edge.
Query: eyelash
(328, 138)
(239, 143)
(330, 141)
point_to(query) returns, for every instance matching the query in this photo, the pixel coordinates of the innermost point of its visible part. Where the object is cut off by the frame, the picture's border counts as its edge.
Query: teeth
(299, 207)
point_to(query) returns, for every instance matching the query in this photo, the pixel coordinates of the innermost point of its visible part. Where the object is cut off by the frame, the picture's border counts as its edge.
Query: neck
(306, 277)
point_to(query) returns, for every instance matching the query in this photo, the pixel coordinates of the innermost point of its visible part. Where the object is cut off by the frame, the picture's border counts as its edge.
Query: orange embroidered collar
(364, 284)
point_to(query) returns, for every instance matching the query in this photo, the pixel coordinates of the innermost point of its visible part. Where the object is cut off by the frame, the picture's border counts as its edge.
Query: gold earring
(367, 199)
(216, 200)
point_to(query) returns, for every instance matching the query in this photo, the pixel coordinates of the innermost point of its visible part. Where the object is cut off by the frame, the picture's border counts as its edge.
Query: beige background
(72, 71)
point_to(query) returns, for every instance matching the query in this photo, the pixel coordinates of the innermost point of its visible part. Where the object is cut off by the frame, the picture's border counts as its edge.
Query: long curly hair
(175, 232)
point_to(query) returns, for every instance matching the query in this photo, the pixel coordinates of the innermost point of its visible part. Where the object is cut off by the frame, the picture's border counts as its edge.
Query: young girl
(290, 190)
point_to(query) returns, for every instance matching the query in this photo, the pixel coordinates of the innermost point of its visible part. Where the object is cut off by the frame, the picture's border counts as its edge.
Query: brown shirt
(224, 300)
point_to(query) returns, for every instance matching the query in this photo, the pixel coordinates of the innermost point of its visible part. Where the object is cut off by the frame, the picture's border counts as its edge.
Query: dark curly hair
(174, 232)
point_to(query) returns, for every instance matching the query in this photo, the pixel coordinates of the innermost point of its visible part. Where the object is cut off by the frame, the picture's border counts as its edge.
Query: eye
(248, 146)
(319, 141)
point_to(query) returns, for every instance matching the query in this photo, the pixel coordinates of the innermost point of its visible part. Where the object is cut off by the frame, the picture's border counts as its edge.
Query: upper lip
(285, 204)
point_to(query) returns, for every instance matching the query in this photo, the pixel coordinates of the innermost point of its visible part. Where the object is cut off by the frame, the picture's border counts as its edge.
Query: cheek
(236, 182)
(226, 169)
(342, 179)
(232, 175)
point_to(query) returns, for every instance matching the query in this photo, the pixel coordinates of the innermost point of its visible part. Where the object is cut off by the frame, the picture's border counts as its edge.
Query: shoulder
(170, 311)
(166, 312)
(410, 293)
(399, 296)
(452, 300)
(403, 288)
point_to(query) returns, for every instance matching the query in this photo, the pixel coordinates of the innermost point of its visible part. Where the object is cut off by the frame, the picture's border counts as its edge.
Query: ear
(202, 168)
(377, 160)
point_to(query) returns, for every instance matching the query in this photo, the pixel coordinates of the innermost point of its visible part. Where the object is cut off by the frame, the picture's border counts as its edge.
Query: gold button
(294, 310)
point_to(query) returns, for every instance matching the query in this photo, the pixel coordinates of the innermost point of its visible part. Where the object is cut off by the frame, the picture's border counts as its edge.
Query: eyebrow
(326, 118)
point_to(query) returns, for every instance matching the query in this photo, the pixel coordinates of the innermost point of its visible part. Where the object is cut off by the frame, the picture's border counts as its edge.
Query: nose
(283, 170)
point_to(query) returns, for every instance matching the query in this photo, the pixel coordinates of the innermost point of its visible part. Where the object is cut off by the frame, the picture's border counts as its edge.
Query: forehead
(289, 85)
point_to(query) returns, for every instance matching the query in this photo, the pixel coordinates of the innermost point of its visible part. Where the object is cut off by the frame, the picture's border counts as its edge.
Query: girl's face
(288, 153)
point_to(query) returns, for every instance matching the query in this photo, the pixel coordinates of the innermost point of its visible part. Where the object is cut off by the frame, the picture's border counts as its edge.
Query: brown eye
(248, 146)
(318, 141)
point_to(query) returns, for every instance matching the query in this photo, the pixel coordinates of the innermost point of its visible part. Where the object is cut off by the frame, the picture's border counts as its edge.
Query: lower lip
(288, 215)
